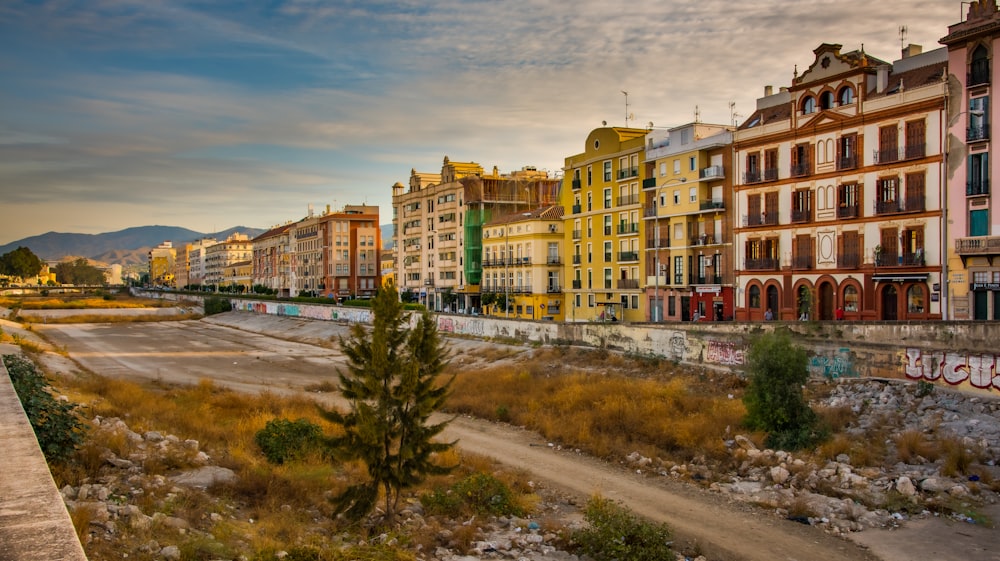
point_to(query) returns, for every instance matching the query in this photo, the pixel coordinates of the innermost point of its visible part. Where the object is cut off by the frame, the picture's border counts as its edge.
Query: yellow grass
(79, 303)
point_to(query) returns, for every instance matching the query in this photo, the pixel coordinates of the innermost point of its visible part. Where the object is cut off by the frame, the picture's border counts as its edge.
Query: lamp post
(657, 301)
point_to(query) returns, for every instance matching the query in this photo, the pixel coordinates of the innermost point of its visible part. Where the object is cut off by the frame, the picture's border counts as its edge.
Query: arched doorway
(890, 303)
(826, 302)
(772, 300)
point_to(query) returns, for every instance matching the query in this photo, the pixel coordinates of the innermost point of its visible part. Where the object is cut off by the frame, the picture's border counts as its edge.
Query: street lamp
(657, 301)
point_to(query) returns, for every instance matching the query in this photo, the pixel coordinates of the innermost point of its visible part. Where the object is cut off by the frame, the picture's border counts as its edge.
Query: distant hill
(387, 231)
(127, 246)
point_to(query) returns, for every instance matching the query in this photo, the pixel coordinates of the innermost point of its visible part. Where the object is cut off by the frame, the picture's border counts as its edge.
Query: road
(186, 352)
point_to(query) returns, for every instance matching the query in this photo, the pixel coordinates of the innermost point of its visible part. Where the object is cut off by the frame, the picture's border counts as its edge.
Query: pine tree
(393, 387)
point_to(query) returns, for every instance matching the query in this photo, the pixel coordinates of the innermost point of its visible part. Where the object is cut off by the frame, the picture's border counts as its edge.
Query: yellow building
(522, 265)
(161, 264)
(688, 231)
(602, 195)
(238, 276)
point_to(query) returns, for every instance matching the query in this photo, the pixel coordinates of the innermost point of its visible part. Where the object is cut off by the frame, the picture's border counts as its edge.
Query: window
(607, 278)
(591, 301)
(607, 170)
(978, 119)
(678, 270)
(802, 205)
(979, 69)
(607, 198)
(916, 132)
(607, 224)
(672, 306)
(826, 100)
(915, 192)
(847, 151)
(850, 299)
(692, 163)
(753, 300)
(888, 145)
(915, 299)
(677, 167)
(752, 174)
(808, 105)
(979, 222)
(846, 96)
(887, 195)
(663, 169)
(848, 197)
(677, 197)
(693, 194)
(978, 179)
(801, 162)
(590, 176)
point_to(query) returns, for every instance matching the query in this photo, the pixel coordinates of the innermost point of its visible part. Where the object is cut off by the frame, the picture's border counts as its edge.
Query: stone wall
(962, 355)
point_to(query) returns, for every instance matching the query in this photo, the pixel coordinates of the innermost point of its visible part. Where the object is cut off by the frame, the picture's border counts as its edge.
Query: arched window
(979, 69)
(850, 299)
(753, 299)
(915, 299)
(846, 96)
(826, 100)
(808, 105)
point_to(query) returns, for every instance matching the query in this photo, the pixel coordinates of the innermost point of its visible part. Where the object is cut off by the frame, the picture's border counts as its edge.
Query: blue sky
(210, 114)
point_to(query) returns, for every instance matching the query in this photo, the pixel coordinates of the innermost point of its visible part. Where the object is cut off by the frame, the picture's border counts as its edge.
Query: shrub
(56, 425)
(616, 533)
(217, 305)
(777, 370)
(479, 493)
(282, 440)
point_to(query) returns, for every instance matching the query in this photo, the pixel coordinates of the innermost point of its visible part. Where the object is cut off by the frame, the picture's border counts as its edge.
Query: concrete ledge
(34, 522)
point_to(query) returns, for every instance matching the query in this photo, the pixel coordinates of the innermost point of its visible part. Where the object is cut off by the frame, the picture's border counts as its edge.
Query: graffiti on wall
(677, 345)
(461, 326)
(838, 365)
(728, 353)
(976, 370)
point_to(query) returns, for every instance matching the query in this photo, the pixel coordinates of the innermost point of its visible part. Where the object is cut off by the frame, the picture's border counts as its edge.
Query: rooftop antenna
(626, 107)
(902, 37)
(697, 114)
(733, 115)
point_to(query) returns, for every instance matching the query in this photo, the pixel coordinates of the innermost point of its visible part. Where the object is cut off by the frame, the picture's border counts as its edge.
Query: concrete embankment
(34, 523)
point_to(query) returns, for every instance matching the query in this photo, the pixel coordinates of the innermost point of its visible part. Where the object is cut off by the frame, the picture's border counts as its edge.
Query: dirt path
(185, 352)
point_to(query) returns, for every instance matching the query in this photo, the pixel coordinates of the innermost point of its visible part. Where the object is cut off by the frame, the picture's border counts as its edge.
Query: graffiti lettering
(460, 326)
(677, 347)
(840, 365)
(978, 370)
(724, 352)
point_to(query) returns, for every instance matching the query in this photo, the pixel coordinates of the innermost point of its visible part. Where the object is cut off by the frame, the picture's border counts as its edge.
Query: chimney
(912, 50)
(768, 90)
(783, 89)
(881, 78)
(310, 210)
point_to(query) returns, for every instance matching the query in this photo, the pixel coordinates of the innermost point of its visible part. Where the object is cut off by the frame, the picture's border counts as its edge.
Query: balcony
(979, 73)
(762, 219)
(607, 284)
(628, 283)
(801, 215)
(649, 183)
(577, 209)
(628, 200)
(801, 170)
(577, 234)
(576, 184)
(702, 239)
(649, 212)
(577, 284)
(712, 205)
(712, 172)
(915, 259)
(802, 262)
(608, 257)
(973, 134)
(848, 211)
(977, 187)
(770, 174)
(979, 245)
(628, 256)
(888, 155)
(848, 260)
(768, 264)
(628, 228)
(751, 177)
(553, 289)
(628, 173)
(653, 243)
(915, 151)
(553, 260)
(849, 161)
(911, 204)
(577, 259)
(705, 279)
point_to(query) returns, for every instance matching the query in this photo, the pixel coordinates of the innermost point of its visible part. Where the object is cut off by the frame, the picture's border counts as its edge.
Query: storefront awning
(909, 277)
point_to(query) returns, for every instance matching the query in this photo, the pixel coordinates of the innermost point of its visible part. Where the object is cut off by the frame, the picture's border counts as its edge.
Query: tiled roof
(913, 79)
(780, 112)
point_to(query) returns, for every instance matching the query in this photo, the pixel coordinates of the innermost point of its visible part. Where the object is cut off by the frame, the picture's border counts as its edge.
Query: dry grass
(608, 415)
(83, 302)
(98, 318)
(913, 446)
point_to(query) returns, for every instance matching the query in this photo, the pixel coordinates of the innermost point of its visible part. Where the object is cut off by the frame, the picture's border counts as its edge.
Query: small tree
(391, 382)
(777, 370)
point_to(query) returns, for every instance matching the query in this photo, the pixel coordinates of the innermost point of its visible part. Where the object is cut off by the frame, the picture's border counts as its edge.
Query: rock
(171, 553)
(935, 485)
(905, 486)
(205, 477)
(153, 436)
(779, 475)
(745, 443)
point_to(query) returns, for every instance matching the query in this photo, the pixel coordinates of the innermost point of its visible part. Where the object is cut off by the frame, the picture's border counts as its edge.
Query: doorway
(826, 301)
(890, 303)
(772, 300)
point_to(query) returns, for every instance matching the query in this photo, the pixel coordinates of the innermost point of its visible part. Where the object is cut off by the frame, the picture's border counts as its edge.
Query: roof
(922, 76)
(553, 212)
(781, 112)
(275, 231)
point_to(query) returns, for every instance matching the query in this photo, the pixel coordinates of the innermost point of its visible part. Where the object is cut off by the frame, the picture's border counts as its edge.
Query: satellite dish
(605, 123)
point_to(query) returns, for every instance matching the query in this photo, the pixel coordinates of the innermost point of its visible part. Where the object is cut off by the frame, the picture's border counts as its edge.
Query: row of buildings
(861, 190)
(333, 254)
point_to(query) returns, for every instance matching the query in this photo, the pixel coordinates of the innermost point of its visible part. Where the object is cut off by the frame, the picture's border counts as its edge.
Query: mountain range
(126, 247)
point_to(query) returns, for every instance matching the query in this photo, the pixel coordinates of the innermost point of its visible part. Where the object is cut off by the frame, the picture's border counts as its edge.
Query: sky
(208, 114)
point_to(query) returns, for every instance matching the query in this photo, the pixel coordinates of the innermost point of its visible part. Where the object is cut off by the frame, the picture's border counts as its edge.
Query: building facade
(336, 254)
(688, 231)
(838, 195)
(602, 198)
(272, 260)
(196, 262)
(972, 274)
(522, 264)
(221, 255)
(161, 264)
